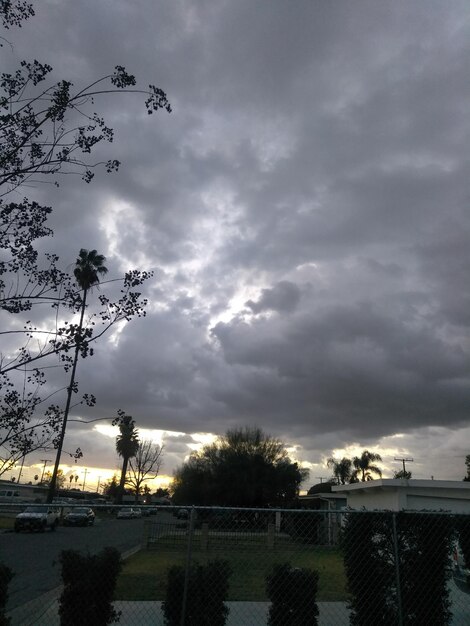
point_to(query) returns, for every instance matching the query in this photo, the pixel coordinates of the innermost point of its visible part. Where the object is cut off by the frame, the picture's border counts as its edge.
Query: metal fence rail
(205, 566)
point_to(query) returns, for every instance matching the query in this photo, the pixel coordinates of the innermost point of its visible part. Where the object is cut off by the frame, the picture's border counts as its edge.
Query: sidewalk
(151, 614)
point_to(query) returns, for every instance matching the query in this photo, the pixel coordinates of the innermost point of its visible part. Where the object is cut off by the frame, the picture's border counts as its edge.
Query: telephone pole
(45, 461)
(84, 479)
(404, 461)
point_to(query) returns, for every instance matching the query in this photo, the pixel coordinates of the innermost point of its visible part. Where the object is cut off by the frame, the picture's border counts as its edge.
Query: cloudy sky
(305, 211)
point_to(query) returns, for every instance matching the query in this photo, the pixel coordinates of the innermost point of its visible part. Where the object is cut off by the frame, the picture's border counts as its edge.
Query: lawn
(6, 523)
(144, 574)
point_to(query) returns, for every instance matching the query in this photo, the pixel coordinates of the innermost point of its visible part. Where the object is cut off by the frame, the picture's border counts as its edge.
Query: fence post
(271, 529)
(204, 536)
(189, 550)
(397, 569)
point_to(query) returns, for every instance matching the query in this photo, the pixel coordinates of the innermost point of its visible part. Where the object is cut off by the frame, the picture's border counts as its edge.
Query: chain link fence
(200, 566)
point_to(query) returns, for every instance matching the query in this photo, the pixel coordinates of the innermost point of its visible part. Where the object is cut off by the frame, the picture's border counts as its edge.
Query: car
(38, 517)
(129, 512)
(81, 516)
(182, 514)
(125, 513)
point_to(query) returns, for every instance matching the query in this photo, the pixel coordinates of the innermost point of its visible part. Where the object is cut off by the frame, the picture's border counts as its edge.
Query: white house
(414, 495)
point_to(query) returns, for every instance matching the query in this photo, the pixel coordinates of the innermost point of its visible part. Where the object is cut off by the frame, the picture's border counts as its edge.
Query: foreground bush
(416, 583)
(89, 583)
(207, 590)
(462, 526)
(5, 577)
(293, 595)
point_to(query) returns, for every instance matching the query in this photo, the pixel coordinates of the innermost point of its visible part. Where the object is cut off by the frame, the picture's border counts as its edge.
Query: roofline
(394, 483)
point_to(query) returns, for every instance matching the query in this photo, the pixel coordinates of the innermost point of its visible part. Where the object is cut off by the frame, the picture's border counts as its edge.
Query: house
(400, 494)
(13, 493)
(321, 498)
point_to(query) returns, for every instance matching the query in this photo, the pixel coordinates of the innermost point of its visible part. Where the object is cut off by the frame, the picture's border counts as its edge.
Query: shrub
(367, 542)
(462, 526)
(89, 583)
(207, 591)
(293, 593)
(5, 577)
(423, 545)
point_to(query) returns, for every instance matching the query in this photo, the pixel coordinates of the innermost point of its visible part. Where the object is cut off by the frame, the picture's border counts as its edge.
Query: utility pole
(404, 461)
(98, 487)
(45, 461)
(320, 478)
(84, 479)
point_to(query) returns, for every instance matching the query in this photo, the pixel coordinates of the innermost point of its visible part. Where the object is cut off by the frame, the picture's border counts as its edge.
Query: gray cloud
(305, 207)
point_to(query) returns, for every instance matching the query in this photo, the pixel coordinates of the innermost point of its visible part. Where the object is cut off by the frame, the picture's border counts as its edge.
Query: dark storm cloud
(283, 297)
(305, 207)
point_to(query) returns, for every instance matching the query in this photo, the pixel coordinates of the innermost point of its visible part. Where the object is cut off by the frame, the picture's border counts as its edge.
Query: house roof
(393, 483)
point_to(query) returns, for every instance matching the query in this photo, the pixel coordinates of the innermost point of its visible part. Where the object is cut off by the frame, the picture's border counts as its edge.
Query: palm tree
(364, 468)
(127, 446)
(88, 268)
(341, 469)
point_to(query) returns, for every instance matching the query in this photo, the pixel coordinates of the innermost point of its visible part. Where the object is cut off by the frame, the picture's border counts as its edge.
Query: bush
(367, 542)
(462, 526)
(207, 591)
(89, 583)
(5, 577)
(424, 543)
(293, 595)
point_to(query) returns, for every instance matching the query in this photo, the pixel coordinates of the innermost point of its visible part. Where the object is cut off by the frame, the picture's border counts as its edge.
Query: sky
(304, 209)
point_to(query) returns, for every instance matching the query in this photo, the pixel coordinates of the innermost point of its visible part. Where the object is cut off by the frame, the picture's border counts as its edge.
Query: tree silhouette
(89, 266)
(364, 468)
(49, 128)
(127, 445)
(144, 465)
(244, 467)
(342, 469)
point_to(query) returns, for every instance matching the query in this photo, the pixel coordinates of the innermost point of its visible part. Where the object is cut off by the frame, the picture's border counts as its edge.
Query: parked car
(38, 517)
(82, 516)
(182, 514)
(125, 513)
(128, 512)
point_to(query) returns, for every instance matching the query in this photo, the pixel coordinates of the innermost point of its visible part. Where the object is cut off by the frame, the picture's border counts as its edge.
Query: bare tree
(145, 465)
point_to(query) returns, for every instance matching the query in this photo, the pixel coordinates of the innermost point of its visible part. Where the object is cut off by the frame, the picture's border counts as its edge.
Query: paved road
(34, 556)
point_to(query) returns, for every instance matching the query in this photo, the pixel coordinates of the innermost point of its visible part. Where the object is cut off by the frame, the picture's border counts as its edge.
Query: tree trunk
(122, 482)
(53, 483)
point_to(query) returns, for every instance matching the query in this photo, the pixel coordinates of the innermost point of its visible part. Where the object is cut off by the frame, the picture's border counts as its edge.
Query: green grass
(7, 523)
(144, 574)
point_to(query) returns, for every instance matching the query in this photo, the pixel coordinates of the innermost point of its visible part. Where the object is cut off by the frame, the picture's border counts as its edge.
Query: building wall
(371, 499)
(436, 503)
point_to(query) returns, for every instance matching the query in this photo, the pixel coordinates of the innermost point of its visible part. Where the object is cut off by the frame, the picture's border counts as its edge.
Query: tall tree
(127, 445)
(342, 470)
(88, 268)
(467, 464)
(144, 465)
(47, 129)
(364, 468)
(244, 467)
